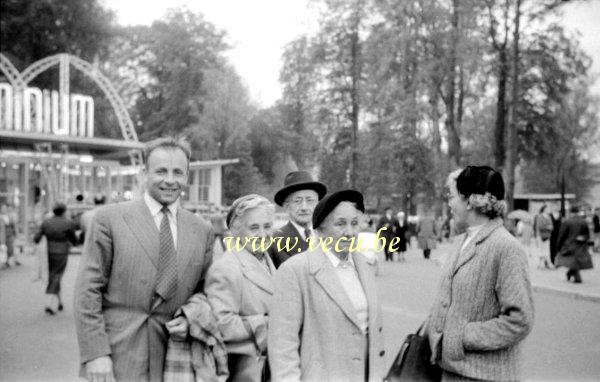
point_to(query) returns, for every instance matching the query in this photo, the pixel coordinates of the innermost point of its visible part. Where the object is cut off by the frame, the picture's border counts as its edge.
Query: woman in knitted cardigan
(484, 307)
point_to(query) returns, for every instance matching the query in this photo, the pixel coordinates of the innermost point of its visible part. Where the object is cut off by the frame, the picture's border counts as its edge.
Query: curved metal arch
(12, 74)
(125, 122)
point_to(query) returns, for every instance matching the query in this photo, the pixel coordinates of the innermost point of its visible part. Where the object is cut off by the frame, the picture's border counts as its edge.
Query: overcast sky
(259, 29)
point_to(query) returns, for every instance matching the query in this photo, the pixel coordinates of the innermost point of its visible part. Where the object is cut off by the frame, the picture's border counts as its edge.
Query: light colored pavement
(564, 344)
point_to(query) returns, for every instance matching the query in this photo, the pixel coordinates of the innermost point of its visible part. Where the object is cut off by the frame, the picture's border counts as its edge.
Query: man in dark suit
(142, 260)
(572, 245)
(299, 196)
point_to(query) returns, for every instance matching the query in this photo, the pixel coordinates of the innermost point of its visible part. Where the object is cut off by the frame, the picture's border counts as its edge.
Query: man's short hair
(167, 143)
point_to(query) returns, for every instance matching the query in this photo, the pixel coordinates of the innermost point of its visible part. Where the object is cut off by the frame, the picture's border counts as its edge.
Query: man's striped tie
(166, 278)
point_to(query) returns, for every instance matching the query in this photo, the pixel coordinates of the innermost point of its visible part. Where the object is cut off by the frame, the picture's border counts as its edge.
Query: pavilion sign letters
(47, 112)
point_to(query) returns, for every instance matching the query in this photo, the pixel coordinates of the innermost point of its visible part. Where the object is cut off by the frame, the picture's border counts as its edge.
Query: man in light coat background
(141, 261)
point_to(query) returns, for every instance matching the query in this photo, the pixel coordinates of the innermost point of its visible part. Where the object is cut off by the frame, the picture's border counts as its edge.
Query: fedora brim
(318, 187)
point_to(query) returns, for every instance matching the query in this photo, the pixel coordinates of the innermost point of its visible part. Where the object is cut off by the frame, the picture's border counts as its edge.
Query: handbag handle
(418, 332)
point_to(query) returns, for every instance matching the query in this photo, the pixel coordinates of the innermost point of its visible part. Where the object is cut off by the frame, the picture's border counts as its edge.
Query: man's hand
(100, 370)
(178, 328)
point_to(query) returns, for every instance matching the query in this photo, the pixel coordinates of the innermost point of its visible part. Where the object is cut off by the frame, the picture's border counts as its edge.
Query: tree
(32, 30)
(169, 59)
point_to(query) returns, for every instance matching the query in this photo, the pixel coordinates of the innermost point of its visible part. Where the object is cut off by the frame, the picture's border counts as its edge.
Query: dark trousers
(389, 255)
(10, 247)
(426, 253)
(57, 263)
(575, 274)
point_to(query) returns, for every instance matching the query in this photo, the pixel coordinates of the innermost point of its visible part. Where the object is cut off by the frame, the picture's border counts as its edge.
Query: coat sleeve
(92, 279)
(224, 291)
(563, 234)
(513, 289)
(208, 259)
(71, 236)
(38, 234)
(286, 316)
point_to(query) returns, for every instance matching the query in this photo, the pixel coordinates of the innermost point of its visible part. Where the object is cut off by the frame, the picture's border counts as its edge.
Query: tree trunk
(450, 99)
(512, 142)
(356, 70)
(500, 126)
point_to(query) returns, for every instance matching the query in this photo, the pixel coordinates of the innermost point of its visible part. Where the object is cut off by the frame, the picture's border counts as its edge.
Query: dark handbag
(413, 361)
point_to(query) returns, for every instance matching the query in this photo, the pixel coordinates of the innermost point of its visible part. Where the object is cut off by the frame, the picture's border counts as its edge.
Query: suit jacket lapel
(185, 231)
(254, 271)
(292, 232)
(325, 276)
(469, 250)
(365, 274)
(142, 225)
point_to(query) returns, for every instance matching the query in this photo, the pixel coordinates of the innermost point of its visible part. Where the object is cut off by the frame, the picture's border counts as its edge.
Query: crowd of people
(153, 301)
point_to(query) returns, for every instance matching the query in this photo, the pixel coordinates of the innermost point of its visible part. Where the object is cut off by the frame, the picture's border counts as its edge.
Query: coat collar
(254, 271)
(322, 269)
(469, 251)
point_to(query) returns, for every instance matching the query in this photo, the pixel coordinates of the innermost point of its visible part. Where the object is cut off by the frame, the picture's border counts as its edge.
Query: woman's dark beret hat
(329, 202)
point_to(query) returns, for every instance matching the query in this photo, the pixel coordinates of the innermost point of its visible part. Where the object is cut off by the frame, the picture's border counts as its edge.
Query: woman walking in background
(484, 306)
(60, 233)
(572, 246)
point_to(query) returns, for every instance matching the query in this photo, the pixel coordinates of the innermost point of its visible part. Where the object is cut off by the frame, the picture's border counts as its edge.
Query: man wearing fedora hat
(299, 196)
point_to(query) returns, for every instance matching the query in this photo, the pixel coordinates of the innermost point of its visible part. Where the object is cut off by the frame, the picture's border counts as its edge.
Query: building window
(204, 185)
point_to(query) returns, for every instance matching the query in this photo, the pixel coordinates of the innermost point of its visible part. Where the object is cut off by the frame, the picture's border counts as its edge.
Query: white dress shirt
(348, 276)
(301, 230)
(155, 210)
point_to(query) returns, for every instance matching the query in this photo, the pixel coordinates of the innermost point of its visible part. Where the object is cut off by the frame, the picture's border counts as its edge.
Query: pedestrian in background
(439, 228)
(484, 306)
(596, 225)
(556, 221)
(239, 287)
(326, 322)
(8, 233)
(60, 235)
(402, 234)
(572, 245)
(543, 227)
(524, 231)
(85, 221)
(426, 233)
(387, 229)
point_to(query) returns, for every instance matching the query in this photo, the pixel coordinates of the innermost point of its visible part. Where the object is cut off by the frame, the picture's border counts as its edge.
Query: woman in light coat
(239, 286)
(325, 322)
(484, 307)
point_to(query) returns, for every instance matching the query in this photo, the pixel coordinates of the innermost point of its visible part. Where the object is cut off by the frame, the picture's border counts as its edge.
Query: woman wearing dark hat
(325, 319)
(60, 232)
(239, 285)
(484, 306)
